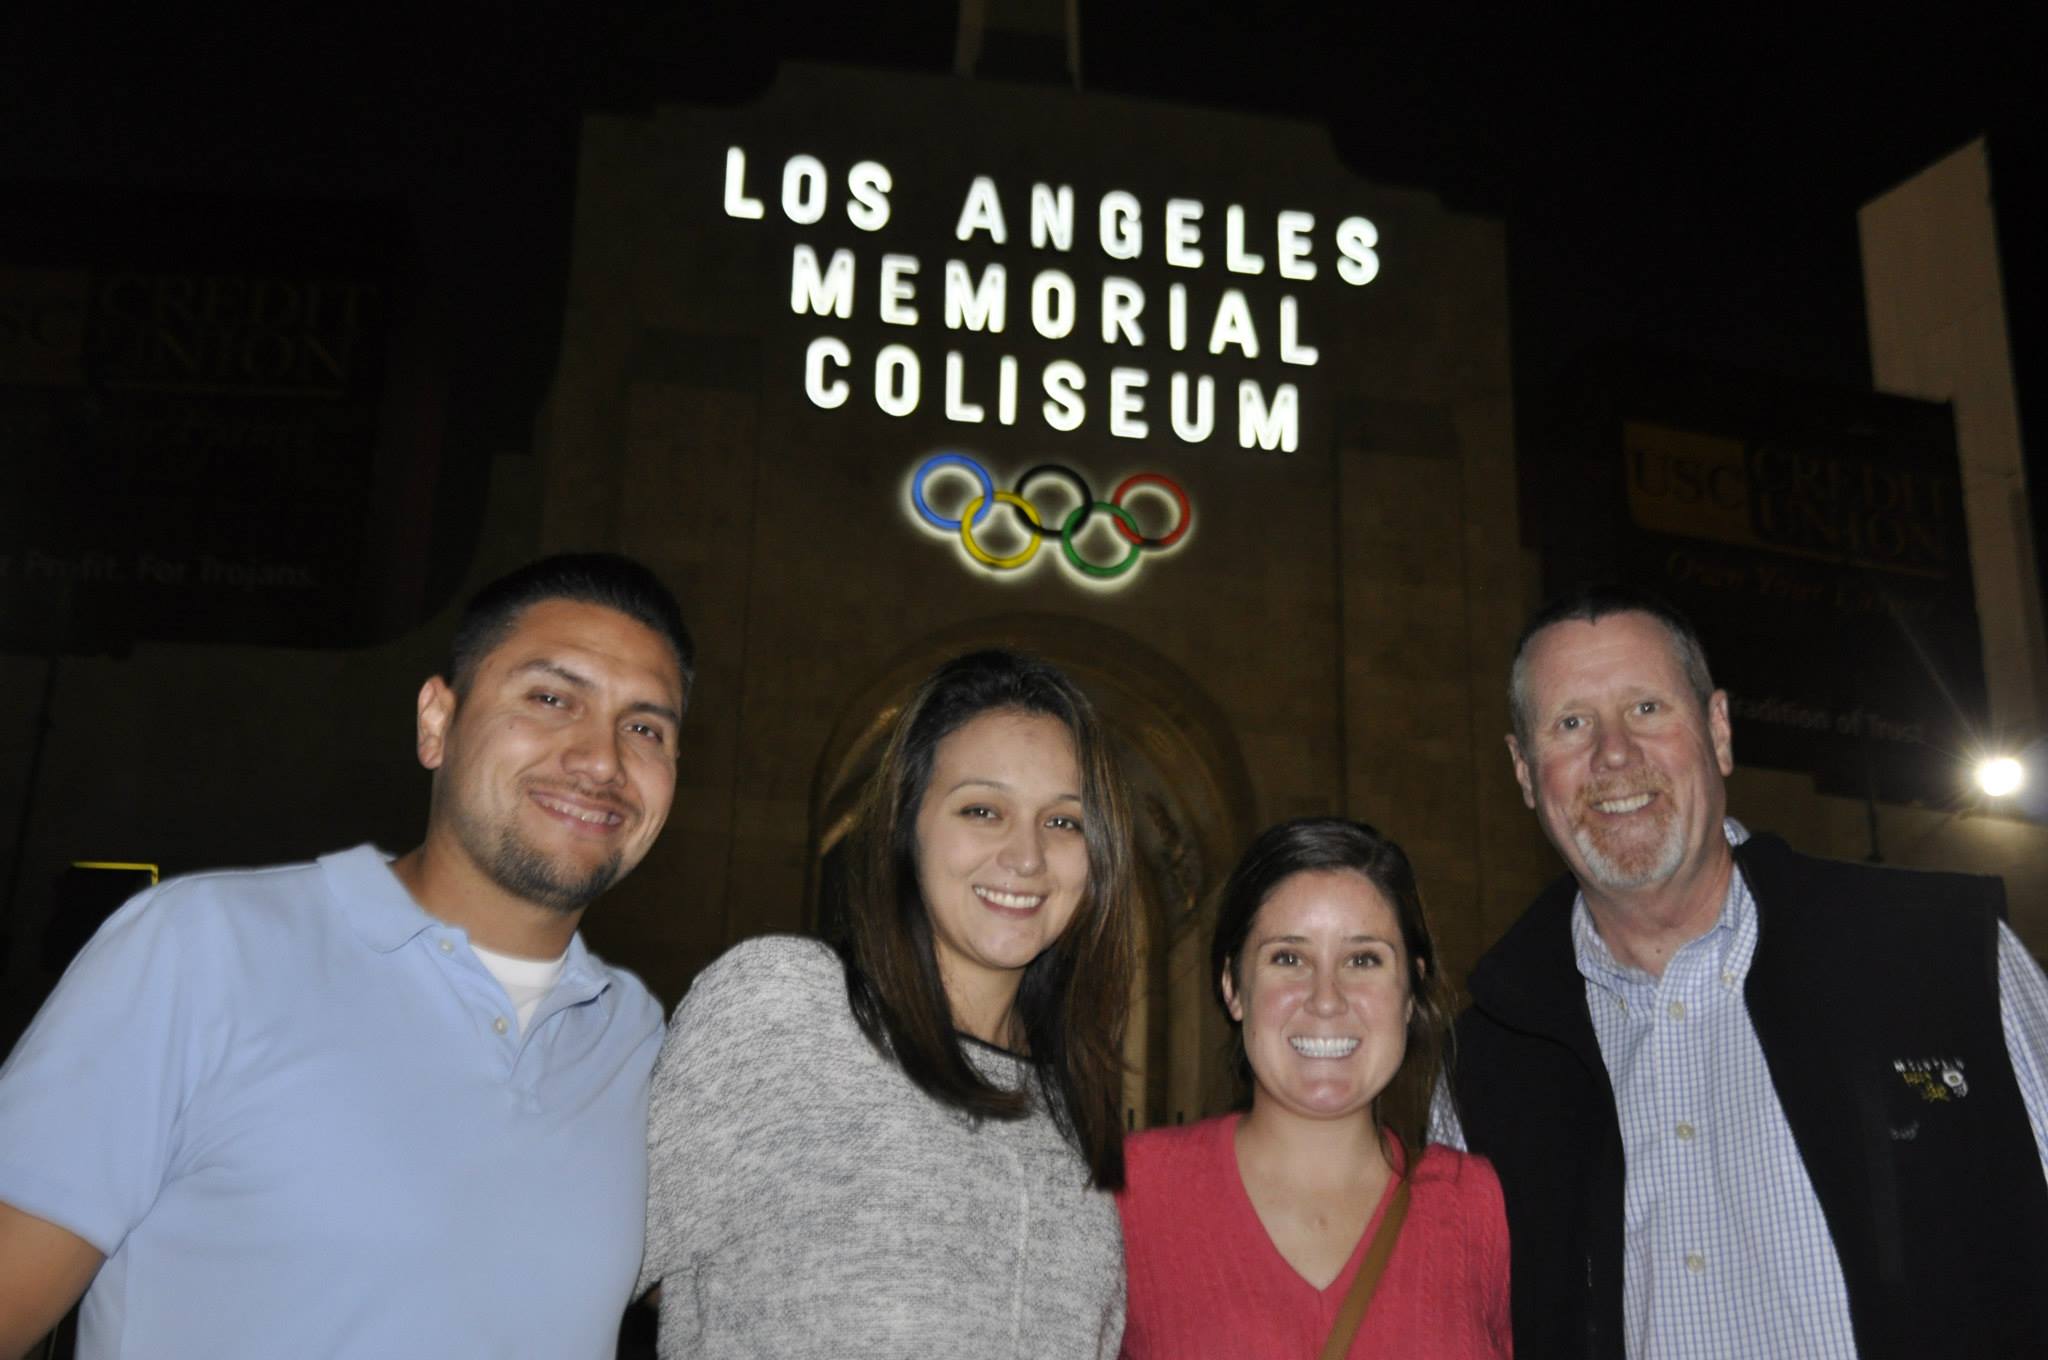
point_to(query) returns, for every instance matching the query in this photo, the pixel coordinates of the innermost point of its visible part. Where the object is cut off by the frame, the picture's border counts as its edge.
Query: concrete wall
(1936, 305)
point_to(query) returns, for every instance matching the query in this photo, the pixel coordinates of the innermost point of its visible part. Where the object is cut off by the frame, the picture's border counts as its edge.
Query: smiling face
(1623, 765)
(555, 769)
(1001, 860)
(1321, 990)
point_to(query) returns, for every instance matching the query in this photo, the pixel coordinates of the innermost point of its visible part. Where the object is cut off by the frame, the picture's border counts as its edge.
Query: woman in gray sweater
(903, 1146)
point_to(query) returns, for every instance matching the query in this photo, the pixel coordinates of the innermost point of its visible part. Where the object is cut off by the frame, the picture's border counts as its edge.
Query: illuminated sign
(1217, 319)
(1008, 544)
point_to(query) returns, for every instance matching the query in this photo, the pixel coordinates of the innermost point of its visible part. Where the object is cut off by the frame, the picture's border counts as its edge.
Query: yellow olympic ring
(981, 554)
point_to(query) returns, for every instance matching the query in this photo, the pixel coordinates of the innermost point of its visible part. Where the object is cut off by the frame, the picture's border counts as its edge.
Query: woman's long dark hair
(1072, 1004)
(1312, 844)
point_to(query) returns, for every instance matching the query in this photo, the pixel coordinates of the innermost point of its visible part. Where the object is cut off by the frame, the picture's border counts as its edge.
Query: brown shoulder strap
(1359, 1297)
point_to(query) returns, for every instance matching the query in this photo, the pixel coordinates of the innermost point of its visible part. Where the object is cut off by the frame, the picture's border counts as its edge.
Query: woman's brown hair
(1071, 1007)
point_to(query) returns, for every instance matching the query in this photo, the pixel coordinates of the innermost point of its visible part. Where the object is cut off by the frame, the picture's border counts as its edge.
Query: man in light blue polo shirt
(370, 1108)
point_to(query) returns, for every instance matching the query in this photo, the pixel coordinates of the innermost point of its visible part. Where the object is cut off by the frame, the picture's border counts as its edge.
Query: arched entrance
(1192, 809)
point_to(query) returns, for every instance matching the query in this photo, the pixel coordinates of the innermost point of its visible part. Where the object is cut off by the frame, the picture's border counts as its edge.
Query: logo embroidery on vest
(1933, 1079)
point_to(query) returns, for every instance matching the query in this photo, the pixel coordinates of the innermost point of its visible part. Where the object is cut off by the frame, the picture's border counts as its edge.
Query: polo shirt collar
(583, 976)
(385, 917)
(379, 909)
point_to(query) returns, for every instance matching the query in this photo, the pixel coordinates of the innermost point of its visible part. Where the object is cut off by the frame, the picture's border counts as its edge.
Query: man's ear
(1522, 776)
(436, 712)
(1721, 732)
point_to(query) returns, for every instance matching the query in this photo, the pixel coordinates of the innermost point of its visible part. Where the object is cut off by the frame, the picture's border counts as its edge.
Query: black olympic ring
(1065, 474)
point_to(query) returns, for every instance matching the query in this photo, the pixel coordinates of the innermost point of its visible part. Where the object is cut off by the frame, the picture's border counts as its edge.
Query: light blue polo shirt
(299, 1117)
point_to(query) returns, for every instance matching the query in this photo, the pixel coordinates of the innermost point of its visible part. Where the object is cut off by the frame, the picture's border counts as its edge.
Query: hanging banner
(204, 436)
(1814, 535)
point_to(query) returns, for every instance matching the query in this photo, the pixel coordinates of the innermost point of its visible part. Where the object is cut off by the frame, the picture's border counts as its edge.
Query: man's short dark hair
(1589, 602)
(605, 579)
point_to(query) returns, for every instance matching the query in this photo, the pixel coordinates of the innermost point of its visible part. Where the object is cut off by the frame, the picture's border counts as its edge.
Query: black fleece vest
(1870, 989)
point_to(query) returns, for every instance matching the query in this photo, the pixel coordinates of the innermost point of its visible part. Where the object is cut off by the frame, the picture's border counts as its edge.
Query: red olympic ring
(1166, 484)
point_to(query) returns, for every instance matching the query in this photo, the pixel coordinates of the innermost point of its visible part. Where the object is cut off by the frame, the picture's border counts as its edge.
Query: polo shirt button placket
(508, 1049)
(522, 1074)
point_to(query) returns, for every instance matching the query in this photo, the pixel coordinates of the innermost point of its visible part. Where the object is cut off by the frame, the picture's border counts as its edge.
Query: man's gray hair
(1589, 603)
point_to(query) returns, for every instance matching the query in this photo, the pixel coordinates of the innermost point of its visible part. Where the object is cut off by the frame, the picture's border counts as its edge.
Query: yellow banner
(1692, 485)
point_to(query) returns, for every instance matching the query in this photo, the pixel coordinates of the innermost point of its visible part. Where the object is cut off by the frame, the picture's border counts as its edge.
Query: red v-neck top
(1207, 1283)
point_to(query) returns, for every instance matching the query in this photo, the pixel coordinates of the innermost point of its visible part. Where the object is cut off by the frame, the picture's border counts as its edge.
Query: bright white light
(2000, 776)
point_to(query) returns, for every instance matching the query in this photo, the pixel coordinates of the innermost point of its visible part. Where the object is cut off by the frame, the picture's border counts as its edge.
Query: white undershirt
(526, 981)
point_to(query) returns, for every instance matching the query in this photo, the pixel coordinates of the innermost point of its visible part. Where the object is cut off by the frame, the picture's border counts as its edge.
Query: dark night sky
(1689, 184)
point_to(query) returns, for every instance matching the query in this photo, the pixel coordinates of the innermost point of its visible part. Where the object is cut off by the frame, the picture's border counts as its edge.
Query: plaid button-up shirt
(1726, 1250)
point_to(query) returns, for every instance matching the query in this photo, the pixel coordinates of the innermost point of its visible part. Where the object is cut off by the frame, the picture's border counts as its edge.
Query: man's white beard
(1641, 866)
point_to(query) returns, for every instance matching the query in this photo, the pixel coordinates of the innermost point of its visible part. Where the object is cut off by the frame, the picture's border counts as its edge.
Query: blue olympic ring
(933, 464)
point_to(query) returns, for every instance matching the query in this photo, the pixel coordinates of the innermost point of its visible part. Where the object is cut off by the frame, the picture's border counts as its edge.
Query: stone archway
(1192, 810)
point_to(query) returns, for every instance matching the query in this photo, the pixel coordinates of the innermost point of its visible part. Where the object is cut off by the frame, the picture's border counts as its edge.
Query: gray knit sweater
(806, 1200)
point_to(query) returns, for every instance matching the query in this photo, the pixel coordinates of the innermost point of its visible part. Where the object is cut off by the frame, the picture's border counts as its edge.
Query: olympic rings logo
(974, 515)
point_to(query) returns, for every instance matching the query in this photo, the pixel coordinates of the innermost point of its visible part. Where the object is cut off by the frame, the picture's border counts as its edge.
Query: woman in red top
(1242, 1234)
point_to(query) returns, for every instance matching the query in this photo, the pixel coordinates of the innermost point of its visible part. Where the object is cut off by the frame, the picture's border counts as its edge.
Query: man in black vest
(1743, 1103)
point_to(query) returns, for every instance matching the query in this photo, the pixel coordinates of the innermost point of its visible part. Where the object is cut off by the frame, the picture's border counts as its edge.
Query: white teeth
(587, 816)
(1014, 901)
(1620, 805)
(1323, 1048)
